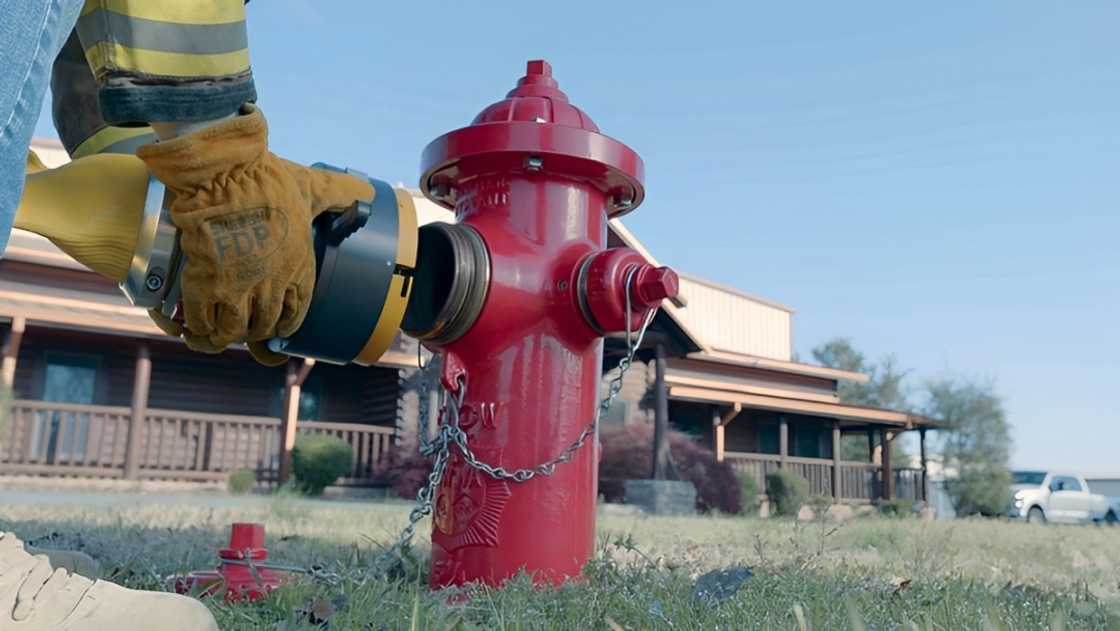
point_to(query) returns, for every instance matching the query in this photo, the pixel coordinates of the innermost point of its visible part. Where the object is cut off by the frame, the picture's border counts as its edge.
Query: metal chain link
(548, 468)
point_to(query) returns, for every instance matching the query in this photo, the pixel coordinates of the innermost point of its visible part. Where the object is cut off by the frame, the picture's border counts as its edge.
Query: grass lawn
(867, 574)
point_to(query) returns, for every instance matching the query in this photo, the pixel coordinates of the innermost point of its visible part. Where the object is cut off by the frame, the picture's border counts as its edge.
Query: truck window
(1033, 478)
(1065, 483)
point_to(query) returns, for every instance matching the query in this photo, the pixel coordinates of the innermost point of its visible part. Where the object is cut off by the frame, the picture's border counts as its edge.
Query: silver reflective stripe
(101, 25)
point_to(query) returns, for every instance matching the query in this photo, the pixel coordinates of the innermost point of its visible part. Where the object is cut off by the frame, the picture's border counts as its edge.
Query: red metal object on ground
(240, 581)
(536, 180)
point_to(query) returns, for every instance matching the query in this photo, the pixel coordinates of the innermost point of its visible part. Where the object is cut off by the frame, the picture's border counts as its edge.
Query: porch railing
(858, 481)
(92, 440)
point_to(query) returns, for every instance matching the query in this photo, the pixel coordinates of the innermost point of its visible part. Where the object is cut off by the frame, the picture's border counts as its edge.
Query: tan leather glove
(245, 220)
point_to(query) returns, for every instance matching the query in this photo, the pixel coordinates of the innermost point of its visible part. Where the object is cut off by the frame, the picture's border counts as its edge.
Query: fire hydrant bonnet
(534, 129)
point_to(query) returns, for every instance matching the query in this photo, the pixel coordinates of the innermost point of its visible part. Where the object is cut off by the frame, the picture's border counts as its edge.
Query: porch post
(294, 375)
(717, 433)
(141, 382)
(925, 471)
(433, 413)
(720, 421)
(888, 474)
(660, 418)
(876, 490)
(783, 440)
(835, 461)
(11, 351)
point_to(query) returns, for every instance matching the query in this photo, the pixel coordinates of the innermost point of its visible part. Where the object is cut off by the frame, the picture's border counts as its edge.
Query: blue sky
(938, 181)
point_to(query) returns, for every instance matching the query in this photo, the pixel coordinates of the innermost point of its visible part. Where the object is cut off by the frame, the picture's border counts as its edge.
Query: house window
(769, 441)
(310, 397)
(62, 435)
(309, 405)
(807, 441)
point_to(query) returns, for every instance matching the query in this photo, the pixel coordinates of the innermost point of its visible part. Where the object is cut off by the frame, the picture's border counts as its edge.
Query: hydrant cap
(537, 99)
(534, 128)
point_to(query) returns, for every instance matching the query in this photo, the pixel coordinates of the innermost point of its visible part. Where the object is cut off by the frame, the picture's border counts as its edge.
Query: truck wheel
(1110, 518)
(1036, 516)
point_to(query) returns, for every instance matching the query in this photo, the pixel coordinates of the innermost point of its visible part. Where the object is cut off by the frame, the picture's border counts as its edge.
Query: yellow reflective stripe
(397, 299)
(171, 37)
(106, 136)
(110, 56)
(180, 11)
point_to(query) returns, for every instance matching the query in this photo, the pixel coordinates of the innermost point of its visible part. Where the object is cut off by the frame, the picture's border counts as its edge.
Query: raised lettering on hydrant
(533, 183)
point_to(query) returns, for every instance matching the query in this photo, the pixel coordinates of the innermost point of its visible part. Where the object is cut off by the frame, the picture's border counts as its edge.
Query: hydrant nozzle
(603, 280)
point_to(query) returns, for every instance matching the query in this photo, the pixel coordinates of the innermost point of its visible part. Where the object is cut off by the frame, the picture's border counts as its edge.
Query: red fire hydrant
(527, 295)
(244, 572)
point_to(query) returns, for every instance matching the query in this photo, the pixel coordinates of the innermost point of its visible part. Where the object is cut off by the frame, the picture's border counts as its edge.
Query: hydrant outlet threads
(451, 283)
(536, 130)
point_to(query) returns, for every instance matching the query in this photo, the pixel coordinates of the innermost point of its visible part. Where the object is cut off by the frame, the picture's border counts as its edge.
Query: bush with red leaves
(406, 471)
(628, 455)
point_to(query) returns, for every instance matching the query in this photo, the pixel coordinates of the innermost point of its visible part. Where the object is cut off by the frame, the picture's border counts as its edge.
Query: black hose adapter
(364, 263)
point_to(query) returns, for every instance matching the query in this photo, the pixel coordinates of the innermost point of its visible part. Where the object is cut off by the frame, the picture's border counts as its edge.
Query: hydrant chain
(565, 455)
(452, 435)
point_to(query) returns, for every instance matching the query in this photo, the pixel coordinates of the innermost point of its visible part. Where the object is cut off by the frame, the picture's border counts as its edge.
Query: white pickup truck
(1053, 496)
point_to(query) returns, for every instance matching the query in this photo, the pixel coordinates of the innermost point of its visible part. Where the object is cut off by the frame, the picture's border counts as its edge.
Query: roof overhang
(766, 363)
(854, 414)
(62, 312)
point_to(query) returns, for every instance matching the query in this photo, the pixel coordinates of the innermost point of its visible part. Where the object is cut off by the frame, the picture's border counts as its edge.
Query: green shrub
(896, 507)
(787, 492)
(242, 481)
(980, 489)
(748, 492)
(317, 461)
(820, 504)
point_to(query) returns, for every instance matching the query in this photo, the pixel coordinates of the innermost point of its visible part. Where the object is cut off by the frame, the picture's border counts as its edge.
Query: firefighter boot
(33, 595)
(70, 560)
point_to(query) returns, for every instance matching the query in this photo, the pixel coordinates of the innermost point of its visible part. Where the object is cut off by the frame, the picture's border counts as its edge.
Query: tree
(976, 443)
(885, 388)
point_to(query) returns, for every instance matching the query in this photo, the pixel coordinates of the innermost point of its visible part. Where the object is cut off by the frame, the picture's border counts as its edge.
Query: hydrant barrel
(536, 182)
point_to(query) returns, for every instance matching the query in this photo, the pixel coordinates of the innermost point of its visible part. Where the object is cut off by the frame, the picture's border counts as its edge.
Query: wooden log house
(99, 391)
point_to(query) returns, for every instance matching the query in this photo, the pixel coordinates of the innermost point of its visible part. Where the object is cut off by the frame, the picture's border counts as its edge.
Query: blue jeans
(31, 34)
